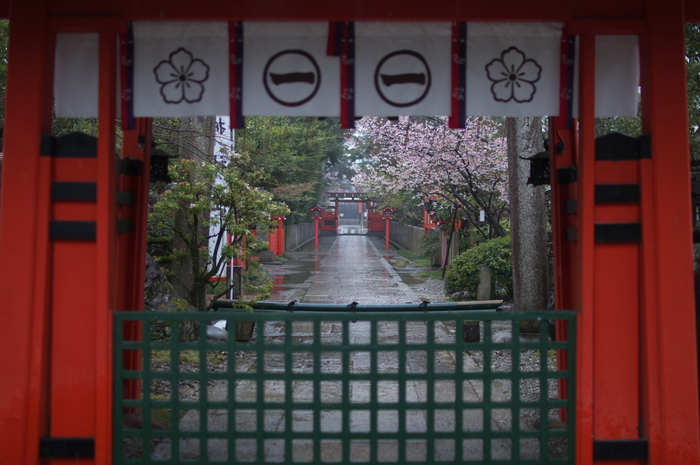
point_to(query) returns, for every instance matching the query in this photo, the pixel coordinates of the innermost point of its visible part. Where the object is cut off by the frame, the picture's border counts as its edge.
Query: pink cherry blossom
(466, 168)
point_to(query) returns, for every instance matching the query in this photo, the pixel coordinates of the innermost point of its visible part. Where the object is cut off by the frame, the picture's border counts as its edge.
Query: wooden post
(132, 206)
(280, 235)
(316, 219)
(584, 287)
(105, 245)
(387, 232)
(25, 251)
(669, 397)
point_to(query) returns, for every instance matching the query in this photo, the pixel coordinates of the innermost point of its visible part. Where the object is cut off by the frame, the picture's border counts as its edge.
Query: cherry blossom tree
(465, 168)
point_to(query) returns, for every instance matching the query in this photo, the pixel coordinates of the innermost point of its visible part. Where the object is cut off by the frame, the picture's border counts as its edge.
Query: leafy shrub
(431, 246)
(462, 275)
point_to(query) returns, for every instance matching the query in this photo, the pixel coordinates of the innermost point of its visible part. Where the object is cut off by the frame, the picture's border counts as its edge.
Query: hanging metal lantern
(159, 166)
(539, 169)
(388, 212)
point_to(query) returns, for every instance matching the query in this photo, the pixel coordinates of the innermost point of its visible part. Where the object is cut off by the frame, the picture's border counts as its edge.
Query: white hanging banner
(286, 70)
(402, 68)
(76, 82)
(513, 69)
(617, 76)
(181, 68)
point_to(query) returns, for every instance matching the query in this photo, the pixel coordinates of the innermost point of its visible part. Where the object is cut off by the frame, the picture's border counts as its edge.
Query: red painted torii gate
(637, 361)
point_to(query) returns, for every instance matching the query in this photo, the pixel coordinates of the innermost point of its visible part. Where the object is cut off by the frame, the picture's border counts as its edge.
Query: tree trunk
(528, 215)
(196, 143)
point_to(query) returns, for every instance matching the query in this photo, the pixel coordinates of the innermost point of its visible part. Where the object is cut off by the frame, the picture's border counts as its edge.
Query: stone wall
(409, 237)
(296, 235)
(406, 237)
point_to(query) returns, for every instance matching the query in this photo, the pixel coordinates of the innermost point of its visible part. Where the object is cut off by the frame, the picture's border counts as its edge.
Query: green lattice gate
(340, 387)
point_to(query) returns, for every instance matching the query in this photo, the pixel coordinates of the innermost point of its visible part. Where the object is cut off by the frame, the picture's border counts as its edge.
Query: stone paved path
(345, 269)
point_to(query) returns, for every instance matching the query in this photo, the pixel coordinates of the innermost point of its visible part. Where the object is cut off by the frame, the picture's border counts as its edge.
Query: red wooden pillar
(316, 212)
(637, 368)
(584, 288)
(316, 219)
(596, 273)
(387, 232)
(669, 397)
(84, 283)
(132, 224)
(132, 204)
(24, 242)
(388, 214)
(276, 237)
(106, 247)
(280, 235)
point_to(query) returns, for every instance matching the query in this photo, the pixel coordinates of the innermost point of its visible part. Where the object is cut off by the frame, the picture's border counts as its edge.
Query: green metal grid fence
(341, 387)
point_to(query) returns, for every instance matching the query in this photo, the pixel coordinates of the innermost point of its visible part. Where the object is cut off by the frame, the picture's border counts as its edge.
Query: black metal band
(571, 207)
(617, 193)
(73, 230)
(123, 226)
(74, 191)
(618, 147)
(73, 145)
(567, 175)
(618, 232)
(621, 449)
(125, 198)
(67, 448)
(130, 167)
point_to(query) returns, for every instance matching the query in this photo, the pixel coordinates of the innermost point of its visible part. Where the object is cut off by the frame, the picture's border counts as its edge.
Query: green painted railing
(341, 387)
(493, 305)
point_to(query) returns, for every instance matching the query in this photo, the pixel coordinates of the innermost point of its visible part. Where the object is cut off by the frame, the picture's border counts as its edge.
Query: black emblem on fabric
(403, 78)
(292, 77)
(181, 77)
(513, 76)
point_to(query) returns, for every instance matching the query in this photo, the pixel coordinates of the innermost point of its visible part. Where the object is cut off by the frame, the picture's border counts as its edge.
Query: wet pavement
(344, 269)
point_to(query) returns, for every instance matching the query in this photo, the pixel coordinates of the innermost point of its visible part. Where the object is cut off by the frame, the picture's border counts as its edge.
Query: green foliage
(423, 263)
(409, 209)
(462, 275)
(431, 245)
(187, 330)
(293, 153)
(63, 126)
(628, 126)
(411, 258)
(202, 204)
(409, 254)
(432, 274)
(472, 235)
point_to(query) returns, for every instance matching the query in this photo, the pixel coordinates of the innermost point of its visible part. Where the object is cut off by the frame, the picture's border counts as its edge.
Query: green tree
(236, 206)
(294, 153)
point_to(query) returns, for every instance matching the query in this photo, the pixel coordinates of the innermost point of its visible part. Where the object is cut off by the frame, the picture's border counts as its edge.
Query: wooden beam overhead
(81, 11)
(359, 10)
